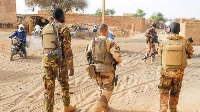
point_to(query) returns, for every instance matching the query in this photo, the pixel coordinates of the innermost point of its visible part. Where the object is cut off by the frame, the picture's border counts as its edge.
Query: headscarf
(21, 25)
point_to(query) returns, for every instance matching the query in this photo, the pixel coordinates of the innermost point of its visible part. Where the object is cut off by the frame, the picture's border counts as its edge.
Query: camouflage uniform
(170, 83)
(150, 43)
(105, 80)
(50, 66)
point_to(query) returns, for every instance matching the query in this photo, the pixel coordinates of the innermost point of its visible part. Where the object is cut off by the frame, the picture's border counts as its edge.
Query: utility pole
(103, 11)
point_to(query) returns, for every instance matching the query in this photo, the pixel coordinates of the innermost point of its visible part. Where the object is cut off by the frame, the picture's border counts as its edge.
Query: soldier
(57, 60)
(105, 55)
(175, 50)
(152, 38)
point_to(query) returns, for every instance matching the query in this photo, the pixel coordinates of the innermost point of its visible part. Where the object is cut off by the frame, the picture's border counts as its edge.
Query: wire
(133, 4)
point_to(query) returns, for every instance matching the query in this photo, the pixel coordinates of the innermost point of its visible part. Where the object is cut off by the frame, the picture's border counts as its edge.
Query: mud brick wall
(191, 29)
(123, 22)
(182, 32)
(148, 23)
(8, 11)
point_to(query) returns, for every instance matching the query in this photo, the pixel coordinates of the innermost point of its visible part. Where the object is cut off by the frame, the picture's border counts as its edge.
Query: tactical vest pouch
(104, 68)
(48, 36)
(174, 54)
(91, 71)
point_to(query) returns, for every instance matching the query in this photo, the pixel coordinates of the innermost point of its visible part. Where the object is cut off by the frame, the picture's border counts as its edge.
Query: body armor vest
(100, 53)
(48, 35)
(174, 53)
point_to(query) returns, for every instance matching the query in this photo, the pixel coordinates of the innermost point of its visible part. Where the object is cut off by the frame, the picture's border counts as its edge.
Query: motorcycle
(16, 48)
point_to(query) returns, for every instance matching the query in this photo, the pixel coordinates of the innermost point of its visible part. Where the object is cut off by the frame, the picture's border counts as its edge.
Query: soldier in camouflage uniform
(50, 65)
(171, 79)
(152, 38)
(105, 55)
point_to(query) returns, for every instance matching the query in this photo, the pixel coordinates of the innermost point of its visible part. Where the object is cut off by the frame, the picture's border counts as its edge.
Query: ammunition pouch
(103, 58)
(104, 68)
(91, 72)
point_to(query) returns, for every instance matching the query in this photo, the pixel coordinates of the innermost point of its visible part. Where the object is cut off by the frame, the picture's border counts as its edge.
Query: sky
(170, 8)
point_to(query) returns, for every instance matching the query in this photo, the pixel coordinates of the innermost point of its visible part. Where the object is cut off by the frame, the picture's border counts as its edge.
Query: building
(8, 12)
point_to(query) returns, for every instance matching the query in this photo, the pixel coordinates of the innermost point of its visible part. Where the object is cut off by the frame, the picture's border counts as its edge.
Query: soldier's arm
(115, 51)
(68, 54)
(148, 34)
(89, 48)
(189, 49)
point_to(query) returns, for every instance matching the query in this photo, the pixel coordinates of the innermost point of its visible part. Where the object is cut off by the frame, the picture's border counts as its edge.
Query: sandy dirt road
(21, 87)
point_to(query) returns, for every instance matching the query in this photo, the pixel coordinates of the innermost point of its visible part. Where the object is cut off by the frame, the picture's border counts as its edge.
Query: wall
(190, 28)
(8, 11)
(114, 21)
(148, 23)
(122, 22)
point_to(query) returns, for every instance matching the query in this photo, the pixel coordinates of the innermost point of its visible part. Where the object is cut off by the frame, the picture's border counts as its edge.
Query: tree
(139, 13)
(157, 16)
(110, 12)
(107, 12)
(66, 5)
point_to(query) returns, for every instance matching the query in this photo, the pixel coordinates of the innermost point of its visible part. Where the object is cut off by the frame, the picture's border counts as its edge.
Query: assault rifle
(58, 52)
(155, 36)
(152, 54)
(115, 76)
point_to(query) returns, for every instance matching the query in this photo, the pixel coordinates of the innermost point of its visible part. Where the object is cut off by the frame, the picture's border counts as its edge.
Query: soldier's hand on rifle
(71, 72)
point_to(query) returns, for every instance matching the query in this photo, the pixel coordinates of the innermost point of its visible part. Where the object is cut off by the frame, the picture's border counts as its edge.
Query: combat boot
(70, 108)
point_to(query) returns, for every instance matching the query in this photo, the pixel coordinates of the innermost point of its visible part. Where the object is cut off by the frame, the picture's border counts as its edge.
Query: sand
(137, 90)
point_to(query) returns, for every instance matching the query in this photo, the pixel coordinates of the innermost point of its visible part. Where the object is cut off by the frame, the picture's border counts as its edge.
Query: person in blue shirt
(111, 35)
(21, 34)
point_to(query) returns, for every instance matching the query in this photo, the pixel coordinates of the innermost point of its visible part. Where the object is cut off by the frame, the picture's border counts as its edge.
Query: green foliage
(157, 16)
(98, 12)
(110, 12)
(139, 13)
(66, 5)
(107, 12)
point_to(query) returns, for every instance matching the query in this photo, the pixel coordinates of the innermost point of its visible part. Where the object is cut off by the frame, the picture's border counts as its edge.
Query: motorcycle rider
(21, 34)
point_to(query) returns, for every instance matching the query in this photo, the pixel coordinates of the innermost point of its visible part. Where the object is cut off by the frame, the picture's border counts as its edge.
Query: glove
(71, 72)
(9, 37)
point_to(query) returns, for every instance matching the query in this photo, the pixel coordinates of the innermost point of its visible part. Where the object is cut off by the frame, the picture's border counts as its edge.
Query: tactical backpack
(174, 53)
